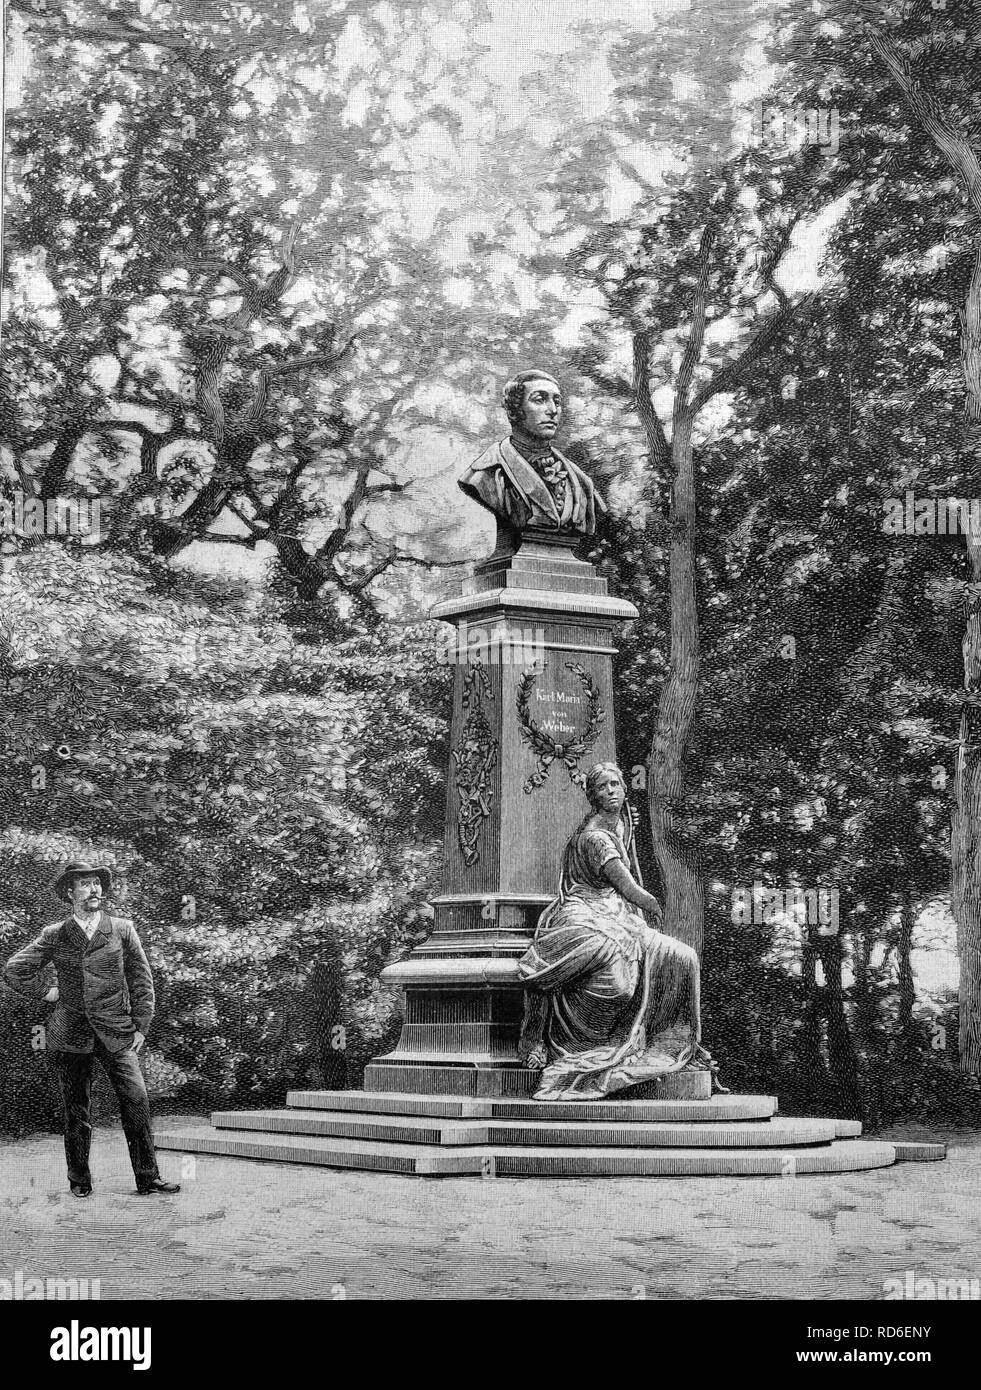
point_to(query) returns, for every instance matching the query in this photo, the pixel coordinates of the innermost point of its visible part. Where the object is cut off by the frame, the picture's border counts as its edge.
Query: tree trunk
(811, 1075)
(56, 469)
(864, 1006)
(306, 572)
(965, 842)
(841, 1048)
(867, 1049)
(231, 457)
(684, 905)
(124, 513)
(907, 992)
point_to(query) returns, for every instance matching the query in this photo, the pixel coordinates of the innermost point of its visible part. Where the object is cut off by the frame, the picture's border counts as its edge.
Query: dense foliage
(269, 805)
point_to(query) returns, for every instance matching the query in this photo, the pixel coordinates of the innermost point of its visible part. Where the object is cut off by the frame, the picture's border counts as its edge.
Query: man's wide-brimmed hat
(62, 884)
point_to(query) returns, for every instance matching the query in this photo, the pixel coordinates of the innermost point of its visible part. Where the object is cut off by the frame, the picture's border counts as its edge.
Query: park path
(252, 1230)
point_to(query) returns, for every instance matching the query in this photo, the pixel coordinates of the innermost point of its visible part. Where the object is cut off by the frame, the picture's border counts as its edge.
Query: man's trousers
(74, 1070)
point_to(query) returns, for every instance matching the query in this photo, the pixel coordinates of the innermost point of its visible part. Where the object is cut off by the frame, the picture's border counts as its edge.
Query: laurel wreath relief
(546, 749)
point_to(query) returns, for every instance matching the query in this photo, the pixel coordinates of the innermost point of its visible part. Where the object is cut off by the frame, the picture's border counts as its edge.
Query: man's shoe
(81, 1189)
(145, 1189)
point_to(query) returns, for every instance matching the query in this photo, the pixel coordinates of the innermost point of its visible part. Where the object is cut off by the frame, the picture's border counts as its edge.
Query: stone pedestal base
(426, 1079)
(679, 1085)
(399, 1078)
(460, 1028)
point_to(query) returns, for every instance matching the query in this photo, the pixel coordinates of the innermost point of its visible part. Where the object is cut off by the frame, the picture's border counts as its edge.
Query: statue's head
(533, 401)
(605, 787)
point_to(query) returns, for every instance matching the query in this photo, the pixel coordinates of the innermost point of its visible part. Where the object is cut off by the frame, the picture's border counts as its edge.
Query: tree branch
(59, 462)
(111, 31)
(332, 545)
(107, 31)
(392, 558)
(422, 560)
(730, 375)
(429, 564)
(959, 154)
(256, 526)
(313, 359)
(273, 513)
(358, 586)
(160, 437)
(227, 538)
(249, 287)
(377, 488)
(280, 280)
(657, 443)
(696, 335)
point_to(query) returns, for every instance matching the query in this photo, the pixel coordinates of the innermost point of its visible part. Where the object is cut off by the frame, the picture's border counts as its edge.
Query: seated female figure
(611, 1000)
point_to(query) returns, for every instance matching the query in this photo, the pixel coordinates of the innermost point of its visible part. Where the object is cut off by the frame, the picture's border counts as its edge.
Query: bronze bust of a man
(523, 479)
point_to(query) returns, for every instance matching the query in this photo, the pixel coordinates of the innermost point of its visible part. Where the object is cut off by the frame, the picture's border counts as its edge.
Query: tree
(262, 320)
(902, 78)
(109, 363)
(703, 252)
(933, 59)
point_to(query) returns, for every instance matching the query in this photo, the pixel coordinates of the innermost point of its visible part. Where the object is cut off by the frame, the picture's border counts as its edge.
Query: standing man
(105, 1003)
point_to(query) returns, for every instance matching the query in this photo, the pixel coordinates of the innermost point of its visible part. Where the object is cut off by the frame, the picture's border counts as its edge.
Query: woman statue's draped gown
(611, 1001)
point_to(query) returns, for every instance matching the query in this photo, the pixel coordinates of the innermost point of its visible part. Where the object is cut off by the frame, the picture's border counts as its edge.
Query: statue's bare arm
(630, 889)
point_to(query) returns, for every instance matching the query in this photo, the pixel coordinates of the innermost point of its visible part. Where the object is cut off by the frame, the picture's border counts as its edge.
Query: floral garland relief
(546, 749)
(475, 757)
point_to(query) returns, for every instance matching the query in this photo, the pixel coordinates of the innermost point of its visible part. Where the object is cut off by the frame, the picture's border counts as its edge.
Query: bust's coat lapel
(524, 478)
(503, 460)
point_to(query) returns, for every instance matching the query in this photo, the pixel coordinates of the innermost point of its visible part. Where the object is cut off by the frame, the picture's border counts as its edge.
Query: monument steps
(584, 1133)
(729, 1107)
(435, 1136)
(908, 1151)
(839, 1156)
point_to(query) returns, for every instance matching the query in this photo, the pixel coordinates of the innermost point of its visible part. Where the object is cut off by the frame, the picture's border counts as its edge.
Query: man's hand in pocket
(52, 995)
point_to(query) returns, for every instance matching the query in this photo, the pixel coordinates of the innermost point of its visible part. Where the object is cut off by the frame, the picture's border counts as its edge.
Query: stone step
(717, 1110)
(909, 1152)
(848, 1129)
(841, 1156)
(786, 1133)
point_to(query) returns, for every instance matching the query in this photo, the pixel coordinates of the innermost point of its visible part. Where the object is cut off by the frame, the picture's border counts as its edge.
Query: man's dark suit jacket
(105, 988)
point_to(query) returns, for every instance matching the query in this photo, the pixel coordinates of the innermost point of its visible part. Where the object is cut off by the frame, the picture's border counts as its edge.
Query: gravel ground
(247, 1230)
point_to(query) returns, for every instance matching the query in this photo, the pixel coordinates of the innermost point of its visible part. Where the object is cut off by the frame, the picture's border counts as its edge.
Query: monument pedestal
(533, 649)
